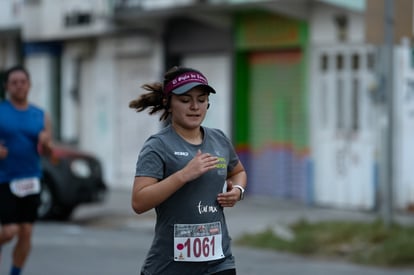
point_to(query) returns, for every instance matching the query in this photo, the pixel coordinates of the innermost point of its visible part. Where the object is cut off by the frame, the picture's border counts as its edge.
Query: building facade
(294, 78)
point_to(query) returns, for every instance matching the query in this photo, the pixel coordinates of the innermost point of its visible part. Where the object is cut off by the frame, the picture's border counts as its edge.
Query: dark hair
(155, 99)
(16, 68)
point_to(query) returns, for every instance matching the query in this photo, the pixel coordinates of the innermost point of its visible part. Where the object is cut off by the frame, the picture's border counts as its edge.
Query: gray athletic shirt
(196, 202)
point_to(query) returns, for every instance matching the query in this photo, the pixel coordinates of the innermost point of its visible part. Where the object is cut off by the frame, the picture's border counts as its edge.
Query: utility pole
(388, 156)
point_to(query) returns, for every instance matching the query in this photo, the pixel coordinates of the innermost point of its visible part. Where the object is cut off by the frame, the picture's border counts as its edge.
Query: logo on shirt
(185, 154)
(222, 163)
(202, 209)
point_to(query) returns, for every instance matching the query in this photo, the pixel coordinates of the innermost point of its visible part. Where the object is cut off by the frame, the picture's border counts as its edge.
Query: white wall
(403, 127)
(323, 29)
(39, 67)
(45, 20)
(73, 55)
(97, 109)
(350, 4)
(95, 120)
(10, 13)
(132, 128)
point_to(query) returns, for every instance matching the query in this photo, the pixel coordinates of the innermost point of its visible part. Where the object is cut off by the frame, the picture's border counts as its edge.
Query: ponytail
(153, 100)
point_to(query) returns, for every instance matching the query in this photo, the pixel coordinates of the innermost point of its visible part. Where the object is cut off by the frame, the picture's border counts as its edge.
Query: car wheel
(47, 202)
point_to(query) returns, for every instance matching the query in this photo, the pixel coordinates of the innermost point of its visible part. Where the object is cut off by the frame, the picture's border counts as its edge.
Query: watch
(241, 191)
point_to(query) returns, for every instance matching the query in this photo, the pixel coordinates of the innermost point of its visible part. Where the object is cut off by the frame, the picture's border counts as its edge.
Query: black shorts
(17, 210)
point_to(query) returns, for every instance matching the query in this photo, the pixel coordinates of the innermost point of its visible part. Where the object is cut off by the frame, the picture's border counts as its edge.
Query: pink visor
(185, 82)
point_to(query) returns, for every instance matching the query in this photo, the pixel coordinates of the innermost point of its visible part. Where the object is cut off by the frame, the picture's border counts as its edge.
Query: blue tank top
(19, 131)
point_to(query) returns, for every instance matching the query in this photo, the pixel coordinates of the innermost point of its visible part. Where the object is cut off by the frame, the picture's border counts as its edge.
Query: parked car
(70, 178)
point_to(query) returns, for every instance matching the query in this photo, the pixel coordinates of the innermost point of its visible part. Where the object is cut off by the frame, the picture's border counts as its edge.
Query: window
(355, 102)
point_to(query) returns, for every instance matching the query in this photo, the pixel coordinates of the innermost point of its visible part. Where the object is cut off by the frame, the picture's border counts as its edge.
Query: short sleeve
(233, 157)
(150, 161)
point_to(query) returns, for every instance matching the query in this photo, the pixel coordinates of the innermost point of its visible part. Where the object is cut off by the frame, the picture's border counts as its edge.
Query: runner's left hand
(229, 198)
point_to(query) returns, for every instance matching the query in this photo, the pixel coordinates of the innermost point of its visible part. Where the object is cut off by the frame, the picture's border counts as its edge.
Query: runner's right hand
(200, 164)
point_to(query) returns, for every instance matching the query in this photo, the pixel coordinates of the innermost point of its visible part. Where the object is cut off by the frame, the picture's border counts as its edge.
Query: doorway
(343, 127)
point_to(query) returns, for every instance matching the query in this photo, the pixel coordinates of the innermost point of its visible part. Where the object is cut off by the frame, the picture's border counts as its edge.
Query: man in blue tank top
(25, 132)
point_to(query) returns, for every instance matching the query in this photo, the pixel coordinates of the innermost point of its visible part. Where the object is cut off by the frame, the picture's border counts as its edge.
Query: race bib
(24, 187)
(197, 242)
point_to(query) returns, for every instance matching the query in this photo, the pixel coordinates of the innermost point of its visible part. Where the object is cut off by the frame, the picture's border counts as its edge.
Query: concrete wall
(324, 29)
(10, 14)
(92, 112)
(50, 19)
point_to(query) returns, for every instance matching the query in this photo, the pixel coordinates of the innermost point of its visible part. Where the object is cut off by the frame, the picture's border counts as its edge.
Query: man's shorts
(17, 210)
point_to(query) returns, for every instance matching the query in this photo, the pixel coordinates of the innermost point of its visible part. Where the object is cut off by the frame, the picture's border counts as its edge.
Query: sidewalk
(253, 214)
(110, 238)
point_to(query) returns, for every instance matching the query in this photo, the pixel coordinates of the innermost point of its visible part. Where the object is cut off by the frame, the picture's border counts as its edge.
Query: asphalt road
(110, 239)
